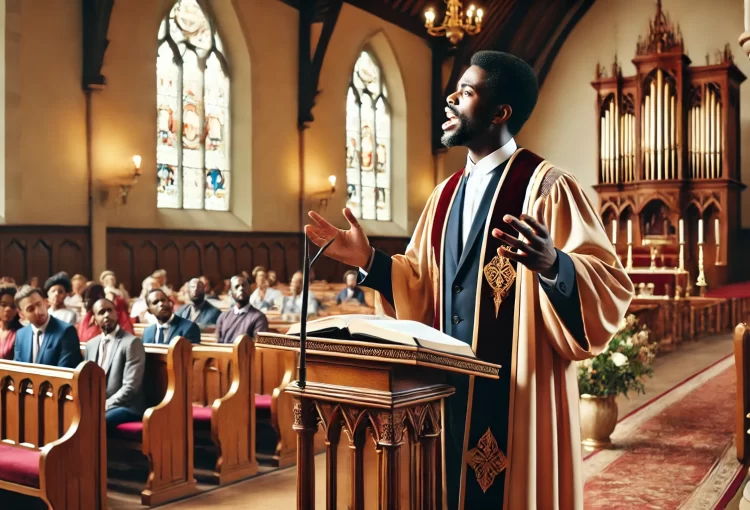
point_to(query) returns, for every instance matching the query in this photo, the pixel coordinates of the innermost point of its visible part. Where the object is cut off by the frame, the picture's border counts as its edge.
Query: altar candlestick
(700, 231)
(682, 230)
(716, 230)
(630, 231)
(614, 232)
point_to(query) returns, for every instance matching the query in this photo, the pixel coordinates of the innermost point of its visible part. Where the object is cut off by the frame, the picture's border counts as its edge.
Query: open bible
(371, 328)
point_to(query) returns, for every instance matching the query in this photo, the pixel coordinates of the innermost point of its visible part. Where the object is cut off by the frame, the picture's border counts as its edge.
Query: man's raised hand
(537, 253)
(350, 247)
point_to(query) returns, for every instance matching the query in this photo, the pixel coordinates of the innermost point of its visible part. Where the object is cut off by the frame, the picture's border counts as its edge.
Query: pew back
(223, 380)
(60, 412)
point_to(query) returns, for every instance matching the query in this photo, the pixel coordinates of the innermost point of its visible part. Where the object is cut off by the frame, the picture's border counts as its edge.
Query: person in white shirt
(264, 297)
(123, 358)
(57, 287)
(75, 300)
(292, 305)
(139, 310)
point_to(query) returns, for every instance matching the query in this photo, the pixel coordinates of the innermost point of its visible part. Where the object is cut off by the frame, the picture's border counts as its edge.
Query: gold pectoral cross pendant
(500, 276)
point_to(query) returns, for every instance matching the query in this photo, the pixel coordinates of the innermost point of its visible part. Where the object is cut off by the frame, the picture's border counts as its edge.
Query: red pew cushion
(131, 431)
(262, 402)
(19, 465)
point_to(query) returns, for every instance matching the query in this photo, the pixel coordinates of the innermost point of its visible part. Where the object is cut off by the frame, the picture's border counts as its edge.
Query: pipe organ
(668, 146)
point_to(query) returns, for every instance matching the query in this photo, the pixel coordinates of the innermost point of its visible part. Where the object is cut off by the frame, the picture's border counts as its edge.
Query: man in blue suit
(168, 324)
(351, 291)
(199, 310)
(46, 340)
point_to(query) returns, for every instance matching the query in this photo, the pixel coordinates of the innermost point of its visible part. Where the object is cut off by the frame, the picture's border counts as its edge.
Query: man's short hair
(511, 81)
(24, 292)
(351, 271)
(148, 295)
(59, 279)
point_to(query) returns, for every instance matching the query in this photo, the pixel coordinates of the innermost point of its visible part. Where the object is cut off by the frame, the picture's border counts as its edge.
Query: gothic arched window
(368, 142)
(192, 123)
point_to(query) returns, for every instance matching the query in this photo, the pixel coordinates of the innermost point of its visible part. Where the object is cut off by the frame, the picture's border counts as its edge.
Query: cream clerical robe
(543, 469)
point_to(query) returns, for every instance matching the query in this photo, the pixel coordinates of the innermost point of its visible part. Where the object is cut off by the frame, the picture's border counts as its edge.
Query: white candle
(716, 230)
(630, 231)
(614, 231)
(682, 231)
(700, 231)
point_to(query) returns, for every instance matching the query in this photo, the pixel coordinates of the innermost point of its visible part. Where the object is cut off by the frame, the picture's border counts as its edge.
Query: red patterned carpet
(677, 452)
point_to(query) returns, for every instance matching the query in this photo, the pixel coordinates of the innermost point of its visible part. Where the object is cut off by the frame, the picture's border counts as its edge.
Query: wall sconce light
(324, 196)
(125, 188)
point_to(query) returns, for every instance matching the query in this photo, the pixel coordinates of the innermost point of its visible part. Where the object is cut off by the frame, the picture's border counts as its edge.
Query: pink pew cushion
(19, 465)
(131, 431)
(202, 414)
(262, 402)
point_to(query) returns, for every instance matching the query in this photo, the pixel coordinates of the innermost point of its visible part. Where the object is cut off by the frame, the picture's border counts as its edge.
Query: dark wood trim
(96, 15)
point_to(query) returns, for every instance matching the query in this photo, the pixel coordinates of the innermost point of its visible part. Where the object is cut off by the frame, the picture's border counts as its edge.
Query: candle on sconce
(716, 230)
(700, 231)
(614, 231)
(630, 231)
(682, 230)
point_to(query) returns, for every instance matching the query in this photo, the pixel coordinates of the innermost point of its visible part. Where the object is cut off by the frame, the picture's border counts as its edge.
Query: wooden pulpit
(385, 402)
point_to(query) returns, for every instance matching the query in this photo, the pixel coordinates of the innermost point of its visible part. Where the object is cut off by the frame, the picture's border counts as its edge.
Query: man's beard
(466, 130)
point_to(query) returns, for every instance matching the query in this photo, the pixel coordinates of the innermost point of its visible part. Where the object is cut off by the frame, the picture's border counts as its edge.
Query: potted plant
(620, 368)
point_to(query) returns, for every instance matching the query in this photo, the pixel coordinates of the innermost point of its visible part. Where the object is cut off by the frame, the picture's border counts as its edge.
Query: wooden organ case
(669, 149)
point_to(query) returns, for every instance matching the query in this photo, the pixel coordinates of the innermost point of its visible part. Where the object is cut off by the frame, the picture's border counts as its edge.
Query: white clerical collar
(243, 310)
(43, 329)
(488, 163)
(166, 325)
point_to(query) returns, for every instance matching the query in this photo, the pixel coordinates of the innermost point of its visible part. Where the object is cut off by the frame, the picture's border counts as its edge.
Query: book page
(419, 331)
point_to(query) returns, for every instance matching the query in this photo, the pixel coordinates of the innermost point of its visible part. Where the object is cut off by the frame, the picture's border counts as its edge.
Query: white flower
(619, 359)
(629, 341)
(586, 363)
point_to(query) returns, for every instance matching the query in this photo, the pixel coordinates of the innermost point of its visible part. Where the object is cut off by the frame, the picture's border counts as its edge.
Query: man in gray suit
(123, 359)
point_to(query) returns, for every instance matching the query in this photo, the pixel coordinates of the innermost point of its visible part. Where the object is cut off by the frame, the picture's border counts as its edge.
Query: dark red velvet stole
(438, 229)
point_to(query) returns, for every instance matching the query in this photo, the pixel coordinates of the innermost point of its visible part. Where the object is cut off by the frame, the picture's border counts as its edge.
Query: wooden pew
(742, 367)
(52, 434)
(165, 436)
(224, 405)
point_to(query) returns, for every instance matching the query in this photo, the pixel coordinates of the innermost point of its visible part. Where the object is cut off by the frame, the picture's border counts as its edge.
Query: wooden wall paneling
(218, 255)
(40, 251)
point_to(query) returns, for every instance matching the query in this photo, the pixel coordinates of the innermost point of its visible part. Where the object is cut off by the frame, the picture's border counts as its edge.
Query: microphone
(307, 263)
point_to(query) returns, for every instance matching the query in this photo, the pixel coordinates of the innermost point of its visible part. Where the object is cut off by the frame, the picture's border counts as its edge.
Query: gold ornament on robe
(487, 460)
(500, 276)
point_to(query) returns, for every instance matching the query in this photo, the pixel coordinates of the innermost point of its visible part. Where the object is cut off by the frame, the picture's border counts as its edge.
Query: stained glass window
(192, 127)
(368, 142)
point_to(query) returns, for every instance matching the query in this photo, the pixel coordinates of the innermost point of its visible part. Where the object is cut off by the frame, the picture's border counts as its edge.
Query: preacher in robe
(510, 257)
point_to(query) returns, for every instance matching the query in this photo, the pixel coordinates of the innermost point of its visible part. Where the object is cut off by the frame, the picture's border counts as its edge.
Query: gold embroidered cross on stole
(500, 276)
(487, 460)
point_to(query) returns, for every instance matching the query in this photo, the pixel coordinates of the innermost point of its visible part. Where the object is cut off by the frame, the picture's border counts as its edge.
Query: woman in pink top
(9, 321)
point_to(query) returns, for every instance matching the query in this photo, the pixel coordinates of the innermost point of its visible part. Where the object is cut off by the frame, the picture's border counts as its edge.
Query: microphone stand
(302, 368)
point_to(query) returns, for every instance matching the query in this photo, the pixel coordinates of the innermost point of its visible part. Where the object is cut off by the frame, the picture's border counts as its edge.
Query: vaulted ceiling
(531, 29)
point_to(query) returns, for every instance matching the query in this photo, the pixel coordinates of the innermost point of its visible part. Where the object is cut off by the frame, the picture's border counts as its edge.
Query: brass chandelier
(456, 23)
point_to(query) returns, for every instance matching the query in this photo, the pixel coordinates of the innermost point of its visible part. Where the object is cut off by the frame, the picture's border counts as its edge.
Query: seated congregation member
(109, 279)
(75, 300)
(198, 309)
(57, 287)
(351, 291)
(123, 358)
(160, 281)
(272, 279)
(88, 328)
(46, 340)
(168, 325)
(265, 298)
(292, 305)
(10, 323)
(242, 318)
(139, 310)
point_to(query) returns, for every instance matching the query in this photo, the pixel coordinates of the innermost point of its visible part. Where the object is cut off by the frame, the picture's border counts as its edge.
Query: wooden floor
(276, 490)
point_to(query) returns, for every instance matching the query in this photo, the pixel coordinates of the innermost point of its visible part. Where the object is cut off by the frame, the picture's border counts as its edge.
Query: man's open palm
(350, 247)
